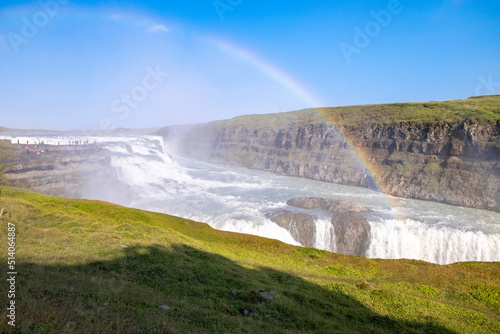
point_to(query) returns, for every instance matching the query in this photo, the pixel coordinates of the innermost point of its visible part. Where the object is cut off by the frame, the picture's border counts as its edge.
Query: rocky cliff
(352, 230)
(79, 172)
(440, 151)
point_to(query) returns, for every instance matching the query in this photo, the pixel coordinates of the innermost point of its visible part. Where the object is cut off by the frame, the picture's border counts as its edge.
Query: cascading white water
(141, 164)
(236, 199)
(325, 235)
(411, 239)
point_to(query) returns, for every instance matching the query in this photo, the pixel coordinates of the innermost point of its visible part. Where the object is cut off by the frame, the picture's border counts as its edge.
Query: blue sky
(102, 64)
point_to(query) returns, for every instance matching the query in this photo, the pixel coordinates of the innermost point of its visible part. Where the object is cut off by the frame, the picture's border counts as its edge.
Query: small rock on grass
(246, 311)
(264, 294)
(164, 308)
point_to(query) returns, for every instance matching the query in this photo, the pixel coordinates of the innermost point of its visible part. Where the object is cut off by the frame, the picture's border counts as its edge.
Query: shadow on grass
(202, 293)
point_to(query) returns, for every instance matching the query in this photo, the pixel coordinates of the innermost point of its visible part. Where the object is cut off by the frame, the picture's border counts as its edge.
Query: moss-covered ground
(93, 267)
(476, 109)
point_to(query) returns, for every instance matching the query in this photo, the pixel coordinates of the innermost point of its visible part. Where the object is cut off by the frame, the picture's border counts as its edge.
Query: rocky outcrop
(77, 173)
(454, 162)
(352, 230)
(328, 204)
(352, 233)
(301, 226)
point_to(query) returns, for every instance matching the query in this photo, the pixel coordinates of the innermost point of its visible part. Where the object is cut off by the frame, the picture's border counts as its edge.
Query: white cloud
(157, 28)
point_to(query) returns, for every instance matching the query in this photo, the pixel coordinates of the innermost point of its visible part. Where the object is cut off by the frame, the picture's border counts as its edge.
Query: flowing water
(236, 199)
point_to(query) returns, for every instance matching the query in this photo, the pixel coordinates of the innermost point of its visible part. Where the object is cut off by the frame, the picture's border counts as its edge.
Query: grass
(93, 267)
(478, 109)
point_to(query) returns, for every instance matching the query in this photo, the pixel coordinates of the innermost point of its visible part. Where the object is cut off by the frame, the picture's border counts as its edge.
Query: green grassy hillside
(93, 267)
(478, 109)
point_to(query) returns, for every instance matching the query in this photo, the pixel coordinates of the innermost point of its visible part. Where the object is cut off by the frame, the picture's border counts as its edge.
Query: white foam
(259, 227)
(393, 239)
(235, 199)
(325, 235)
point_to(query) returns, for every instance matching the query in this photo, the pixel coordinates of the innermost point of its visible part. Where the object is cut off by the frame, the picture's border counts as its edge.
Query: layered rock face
(330, 205)
(454, 163)
(352, 233)
(352, 230)
(301, 226)
(84, 173)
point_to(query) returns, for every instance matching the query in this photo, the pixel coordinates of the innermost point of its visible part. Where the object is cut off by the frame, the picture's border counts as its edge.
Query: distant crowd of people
(41, 147)
(36, 152)
(70, 142)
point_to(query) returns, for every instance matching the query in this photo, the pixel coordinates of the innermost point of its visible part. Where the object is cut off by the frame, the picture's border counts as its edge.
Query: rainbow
(313, 102)
(267, 68)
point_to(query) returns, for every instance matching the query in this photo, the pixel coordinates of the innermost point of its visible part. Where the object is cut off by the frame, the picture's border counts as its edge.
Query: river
(236, 199)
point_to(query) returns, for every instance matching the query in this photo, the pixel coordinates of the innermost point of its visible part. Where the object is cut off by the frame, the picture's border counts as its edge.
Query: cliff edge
(440, 151)
(69, 171)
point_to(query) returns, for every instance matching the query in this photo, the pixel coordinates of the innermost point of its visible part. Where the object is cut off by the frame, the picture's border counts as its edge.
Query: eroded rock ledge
(410, 154)
(79, 172)
(328, 204)
(352, 233)
(301, 226)
(352, 230)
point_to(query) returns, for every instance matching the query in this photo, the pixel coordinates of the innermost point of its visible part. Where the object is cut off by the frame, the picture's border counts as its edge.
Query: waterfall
(393, 239)
(236, 199)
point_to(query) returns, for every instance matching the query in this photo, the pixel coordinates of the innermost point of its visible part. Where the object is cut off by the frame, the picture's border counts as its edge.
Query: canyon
(446, 152)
